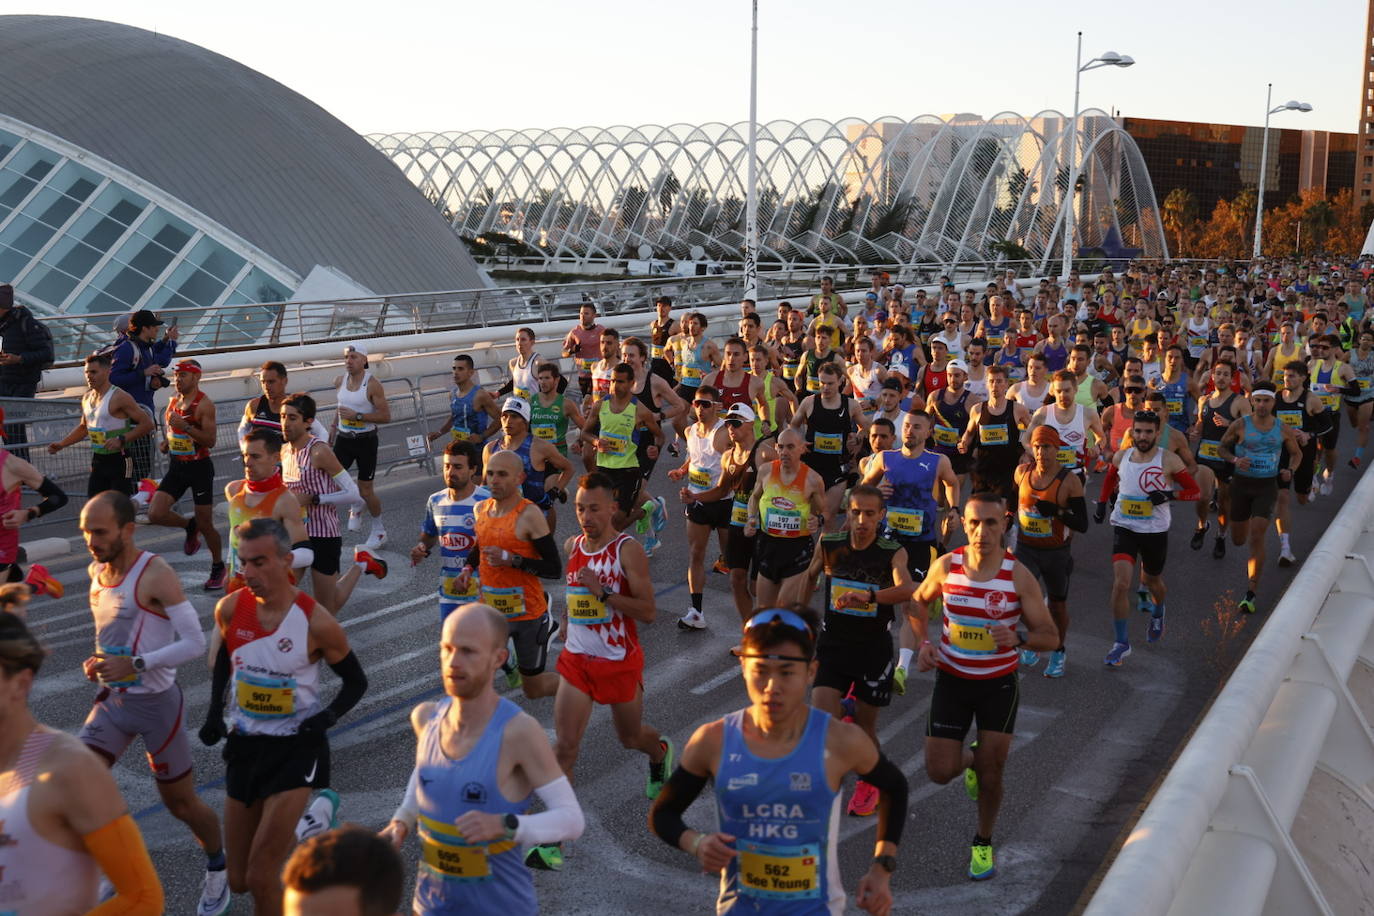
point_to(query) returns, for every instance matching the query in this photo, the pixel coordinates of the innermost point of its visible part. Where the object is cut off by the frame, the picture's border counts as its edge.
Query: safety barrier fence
(1270, 806)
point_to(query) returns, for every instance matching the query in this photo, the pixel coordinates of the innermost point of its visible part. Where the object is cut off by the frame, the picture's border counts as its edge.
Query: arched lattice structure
(887, 191)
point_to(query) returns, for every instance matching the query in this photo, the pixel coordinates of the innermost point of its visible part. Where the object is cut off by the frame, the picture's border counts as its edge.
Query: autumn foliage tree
(1309, 223)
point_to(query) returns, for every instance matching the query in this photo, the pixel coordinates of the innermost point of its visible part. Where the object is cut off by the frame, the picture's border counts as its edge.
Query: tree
(1179, 213)
(1319, 218)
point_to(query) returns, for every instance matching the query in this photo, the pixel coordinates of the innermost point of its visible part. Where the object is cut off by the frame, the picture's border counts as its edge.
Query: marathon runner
(551, 411)
(985, 595)
(15, 474)
(1359, 407)
(693, 355)
(65, 822)
(1297, 407)
(1077, 425)
(539, 457)
(362, 404)
(263, 494)
(264, 411)
(1330, 378)
(144, 629)
(514, 548)
(191, 432)
(733, 379)
(994, 438)
(786, 509)
(777, 767)
(654, 392)
(111, 419)
(865, 577)
(347, 872)
(661, 331)
(1215, 414)
(708, 504)
(582, 343)
(478, 759)
(472, 412)
(602, 368)
(1050, 505)
(1254, 445)
(523, 367)
(1140, 525)
(834, 422)
(821, 352)
(778, 403)
(610, 431)
(740, 467)
(450, 523)
(273, 637)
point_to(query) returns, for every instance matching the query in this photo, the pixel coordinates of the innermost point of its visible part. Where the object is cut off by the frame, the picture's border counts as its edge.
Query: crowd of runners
(891, 482)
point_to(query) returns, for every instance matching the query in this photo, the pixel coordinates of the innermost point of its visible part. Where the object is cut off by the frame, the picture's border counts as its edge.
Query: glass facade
(75, 241)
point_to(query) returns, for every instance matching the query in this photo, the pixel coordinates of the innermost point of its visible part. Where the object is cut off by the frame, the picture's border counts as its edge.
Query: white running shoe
(692, 620)
(322, 814)
(375, 541)
(1326, 486)
(355, 519)
(214, 894)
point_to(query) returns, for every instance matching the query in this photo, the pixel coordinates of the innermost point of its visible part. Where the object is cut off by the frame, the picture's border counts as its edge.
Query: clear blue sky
(418, 66)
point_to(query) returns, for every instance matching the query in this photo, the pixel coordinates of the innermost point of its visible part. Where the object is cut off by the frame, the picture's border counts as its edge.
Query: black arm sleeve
(54, 497)
(354, 684)
(549, 564)
(219, 681)
(1075, 514)
(676, 796)
(891, 785)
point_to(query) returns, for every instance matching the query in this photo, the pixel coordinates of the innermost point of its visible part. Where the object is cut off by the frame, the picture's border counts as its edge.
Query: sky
(429, 66)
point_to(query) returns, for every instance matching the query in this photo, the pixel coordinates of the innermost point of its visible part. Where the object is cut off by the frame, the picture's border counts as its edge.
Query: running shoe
(672, 450)
(1219, 548)
(1328, 484)
(355, 519)
(651, 542)
(1029, 657)
(864, 802)
(1154, 630)
(215, 896)
(692, 620)
(513, 678)
(1354, 463)
(1199, 535)
(659, 772)
(43, 583)
(320, 815)
(1120, 652)
(971, 777)
(1247, 604)
(1055, 666)
(1313, 493)
(899, 681)
(554, 626)
(720, 567)
(642, 526)
(373, 566)
(218, 576)
(1286, 558)
(548, 857)
(143, 492)
(1145, 605)
(980, 867)
(659, 515)
(376, 540)
(192, 543)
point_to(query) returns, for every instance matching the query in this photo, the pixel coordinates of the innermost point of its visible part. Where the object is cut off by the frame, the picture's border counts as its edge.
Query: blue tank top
(1177, 400)
(465, 415)
(950, 422)
(911, 511)
(996, 334)
(783, 814)
(1010, 359)
(1261, 447)
(454, 877)
(1056, 358)
(533, 487)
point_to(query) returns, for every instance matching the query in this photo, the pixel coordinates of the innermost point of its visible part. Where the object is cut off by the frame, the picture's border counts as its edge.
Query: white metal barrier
(1269, 808)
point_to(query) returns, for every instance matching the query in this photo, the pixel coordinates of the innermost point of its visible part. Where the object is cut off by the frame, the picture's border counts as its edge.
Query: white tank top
(865, 385)
(523, 382)
(955, 344)
(1139, 479)
(275, 682)
(100, 423)
(357, 401)
(1198, 336)
(125, 627)
(38, 877)
(1073, 435)
(703, 461)
(1027, 397)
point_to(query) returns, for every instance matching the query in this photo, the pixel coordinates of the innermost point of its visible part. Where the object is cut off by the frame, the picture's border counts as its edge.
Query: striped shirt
(306, 480)
(452, 522)
(970, 608)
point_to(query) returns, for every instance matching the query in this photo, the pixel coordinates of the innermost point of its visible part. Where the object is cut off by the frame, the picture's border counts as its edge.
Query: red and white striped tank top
(971, 606)
(304, 479)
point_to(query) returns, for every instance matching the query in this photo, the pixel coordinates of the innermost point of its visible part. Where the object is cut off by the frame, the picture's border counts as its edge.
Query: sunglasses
(1133, 390)
(704, 403)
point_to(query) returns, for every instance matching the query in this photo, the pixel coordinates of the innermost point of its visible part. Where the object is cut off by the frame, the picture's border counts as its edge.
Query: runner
(602, 370)
(1140, 525)
(523, 366)
(273, 637)
(994, 438)
(144, 629)
(15, 474)
(65, 821)
(1050, 504)
(263, 494)
(777, 767)
(264, 411)
(610, 432)
(1216, 412)
(1078, 427)
(539, 457)
(821, 353)
(654, 392)
(111, 419)
(514, 547)
(733, 379)
(693, 355)
(661, 330)
(985, 595)
(949, 414)
(551, 411)
(472, 412)
(1359, 407)
(786, 509)
(740, 467)
(362, 404)
(778, 403)
(1330, 379)
(1179, 389)
(708, 504)
(582, 343)
(191, 434)
(478, 760)
(1297, 407)
(834, 423)
(865, 577)
(450, 522)
(1253, 444)
(346, 872)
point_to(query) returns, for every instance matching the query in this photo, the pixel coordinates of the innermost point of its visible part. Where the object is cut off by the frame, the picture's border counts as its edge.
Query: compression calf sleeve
(119, 851)
(891, 785)
(676, 796)
(54, 497)
(354, 685)
(562, 821)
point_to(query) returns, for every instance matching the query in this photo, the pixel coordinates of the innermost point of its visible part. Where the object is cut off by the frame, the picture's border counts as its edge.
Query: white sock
(1283, 542)
(904, 658)
(377, 527)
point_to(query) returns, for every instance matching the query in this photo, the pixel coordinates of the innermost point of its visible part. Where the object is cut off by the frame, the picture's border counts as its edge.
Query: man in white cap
(539, 456)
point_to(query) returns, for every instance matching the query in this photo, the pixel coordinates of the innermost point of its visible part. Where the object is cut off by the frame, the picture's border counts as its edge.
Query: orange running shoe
(373, 566)
(43, 583)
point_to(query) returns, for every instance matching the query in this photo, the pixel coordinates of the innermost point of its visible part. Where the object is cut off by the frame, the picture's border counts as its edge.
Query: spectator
(25, 350)
(140, 367)
(348, 872)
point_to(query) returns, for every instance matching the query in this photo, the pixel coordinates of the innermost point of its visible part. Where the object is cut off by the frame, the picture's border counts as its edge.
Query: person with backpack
(25, 351)
(139, 366)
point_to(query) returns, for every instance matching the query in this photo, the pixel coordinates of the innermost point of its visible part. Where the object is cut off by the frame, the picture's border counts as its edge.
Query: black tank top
(996, 439)
(848, 569)
(1294, 413)
(659, 333)
(264, 416)
(645, 394)
(827, 435)
(1216, 420)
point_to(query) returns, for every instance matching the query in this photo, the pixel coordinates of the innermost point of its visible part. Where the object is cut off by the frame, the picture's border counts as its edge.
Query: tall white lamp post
(751, 201)
(1290, 105)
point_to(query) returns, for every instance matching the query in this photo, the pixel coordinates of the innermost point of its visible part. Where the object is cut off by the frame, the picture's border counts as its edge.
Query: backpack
(110, 348)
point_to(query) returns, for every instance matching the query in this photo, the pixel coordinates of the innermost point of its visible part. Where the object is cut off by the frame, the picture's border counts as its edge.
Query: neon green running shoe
(513, 678)
(971, 778)
(548, 857)
(980, 865)
(659, 772)
(899, 681)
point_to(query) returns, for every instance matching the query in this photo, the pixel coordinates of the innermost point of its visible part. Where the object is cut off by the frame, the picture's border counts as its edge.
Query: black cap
(143, 319)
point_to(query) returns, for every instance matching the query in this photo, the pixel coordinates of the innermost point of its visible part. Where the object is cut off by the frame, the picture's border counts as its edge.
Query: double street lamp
(1264, 159)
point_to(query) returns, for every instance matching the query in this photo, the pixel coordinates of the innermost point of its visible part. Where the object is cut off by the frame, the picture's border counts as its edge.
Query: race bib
(691, 374)
(1175, 405)
(782, 523)
(1290, 417)
(1067, 456)
(585, 608)
(180, 444)
(828, 443)
(1209, 449)
(995, 434)
(1364, 383)
(1330, 401)
(813, 384)
(354, 425)
(97, 436)
(971, 638)
(133, 680)
(840, 587)
(656, 351)
(1136, 508)
(1034, 524)
(521, 393)
(546, 431)
(446, 856)
(509, 601)
(698, 479)
(1263, 465)
(946, 435)
(619, 445)
(779, 872)
(265, 697)
(585, 365)
(996, 340)
(461, 435)
(448, 587)
(905, 522)
(739, 513)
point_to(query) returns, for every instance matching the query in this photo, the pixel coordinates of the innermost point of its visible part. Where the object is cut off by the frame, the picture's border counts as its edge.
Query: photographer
(139, 367)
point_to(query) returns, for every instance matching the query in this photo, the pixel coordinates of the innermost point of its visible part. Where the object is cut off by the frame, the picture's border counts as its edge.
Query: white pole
(751, 204)
(1264, 167)
(1073, 165)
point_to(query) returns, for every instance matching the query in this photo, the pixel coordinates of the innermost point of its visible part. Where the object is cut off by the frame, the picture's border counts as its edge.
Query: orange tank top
(515, 593)
(1037, 530)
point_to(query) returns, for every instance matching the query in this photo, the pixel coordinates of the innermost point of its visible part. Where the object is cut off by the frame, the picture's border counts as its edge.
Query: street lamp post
(1108, 59)
(751, 201)
(1290, 105)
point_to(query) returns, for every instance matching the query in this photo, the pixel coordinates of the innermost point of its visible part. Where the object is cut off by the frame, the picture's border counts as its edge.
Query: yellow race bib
(691, 373)
(1067, 456)
(828, 443)
(509, 601)
(1136, 508)
(180, 444)
(656, 351)
(585, 608)
(779, 872)
(460, 435)
(1175, 405)
(1209, 449)
(946, 435)
(841, 587)
(971, 638)
(265, 698)
(995, 434)
(698, 479)
(1034, 525)
(1290, 417)
(448, 587)
(546, 431)
(739, 513)
(905, 522)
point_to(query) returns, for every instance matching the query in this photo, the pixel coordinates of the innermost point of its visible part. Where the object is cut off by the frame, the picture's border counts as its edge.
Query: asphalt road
(1088, 748)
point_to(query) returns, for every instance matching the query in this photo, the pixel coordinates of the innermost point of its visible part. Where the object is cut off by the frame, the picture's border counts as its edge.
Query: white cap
(956, 364)
(360, 349)
(517, 405)
(741, 412)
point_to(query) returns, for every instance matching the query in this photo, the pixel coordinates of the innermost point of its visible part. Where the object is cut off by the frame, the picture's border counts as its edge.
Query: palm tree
(1179, 213)
(1319, 218)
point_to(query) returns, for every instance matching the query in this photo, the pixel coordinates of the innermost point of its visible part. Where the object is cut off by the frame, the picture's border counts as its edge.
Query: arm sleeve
(347, 494)
(119, 851)
(54, 497)
(549, 565)
(350, 671)
(409, 811)
(219, 682)
(1323, 422)
(190, 641)
(302, 554)
(1188, 490)
(891, 785)
(1075, 514)
(561, 821)
(1108, 483)
(676, 796)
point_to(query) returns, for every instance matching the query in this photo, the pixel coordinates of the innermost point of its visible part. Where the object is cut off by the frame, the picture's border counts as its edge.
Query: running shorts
(1306, 471)
(1223, 470)
(607, 681)
(782, 558)
(259, 766)
(327, 554)
(865, 666)
(739, 550)
(957, 701)
(110, 472)
(196, 475)
(919, 555)
(1052, 565)
(1152, 548)
(118, 717)
(362, 449)
(1253, 497)
(715, 514)
(531, 638)
(624, 486)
